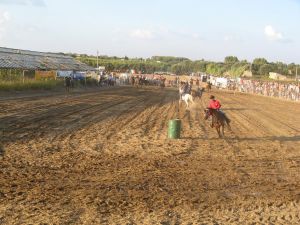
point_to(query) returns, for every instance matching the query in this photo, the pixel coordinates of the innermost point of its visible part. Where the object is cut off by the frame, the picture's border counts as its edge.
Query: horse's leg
(187, 103)
(192, 100)
(179, 102)
(228, 125)
(218, 130)
(223, 130)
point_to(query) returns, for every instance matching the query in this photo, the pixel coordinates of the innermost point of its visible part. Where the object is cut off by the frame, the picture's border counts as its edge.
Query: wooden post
(23, 75)
(297, 79)
(97, 60)
(178, 108)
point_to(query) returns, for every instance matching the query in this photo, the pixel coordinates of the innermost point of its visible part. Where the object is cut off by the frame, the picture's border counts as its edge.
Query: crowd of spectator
(288, 91)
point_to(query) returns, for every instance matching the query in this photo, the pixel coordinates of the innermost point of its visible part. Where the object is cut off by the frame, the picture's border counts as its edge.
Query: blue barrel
(174, 128)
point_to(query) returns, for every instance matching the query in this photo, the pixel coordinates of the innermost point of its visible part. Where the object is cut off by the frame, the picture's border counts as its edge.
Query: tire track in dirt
(150, 118)
(187, 134)
(281, 124)
(241, 125)
(67, 101)
(158, 118)
(140, 129)
(194, 180)
(268, 115)
(26, 109)
(197, 133)
(244, 122)
(155, 119)
(202, 124)
(235, 142)
(126, 118)
(259, 169)
(92, 97)
(269, 128)
(54, 94)
(161, 131)
(64, 112)
(129, 105)
(38, 123)
(58, 111)
(145, 101)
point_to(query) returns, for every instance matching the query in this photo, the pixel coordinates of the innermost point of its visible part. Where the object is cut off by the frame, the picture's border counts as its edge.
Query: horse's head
(206, 113)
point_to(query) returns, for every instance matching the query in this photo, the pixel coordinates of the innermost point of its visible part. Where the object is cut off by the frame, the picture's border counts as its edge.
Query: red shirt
(214, 104)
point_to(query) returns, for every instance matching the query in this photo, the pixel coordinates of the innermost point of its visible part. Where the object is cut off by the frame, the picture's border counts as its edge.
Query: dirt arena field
(103, 157)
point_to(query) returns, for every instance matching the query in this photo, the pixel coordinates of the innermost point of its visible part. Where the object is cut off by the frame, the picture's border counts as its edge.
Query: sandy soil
(103, 157)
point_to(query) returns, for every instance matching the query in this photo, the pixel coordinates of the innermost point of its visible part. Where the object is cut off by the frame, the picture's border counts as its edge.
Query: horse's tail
(228, 123)
(226, 120)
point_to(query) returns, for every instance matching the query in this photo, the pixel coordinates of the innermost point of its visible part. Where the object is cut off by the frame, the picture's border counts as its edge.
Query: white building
(277, 76)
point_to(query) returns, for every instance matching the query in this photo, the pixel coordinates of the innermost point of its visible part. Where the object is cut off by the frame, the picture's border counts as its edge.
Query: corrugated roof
(24, 59)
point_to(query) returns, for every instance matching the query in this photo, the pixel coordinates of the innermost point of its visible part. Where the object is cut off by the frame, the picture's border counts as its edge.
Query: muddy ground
(103, 157)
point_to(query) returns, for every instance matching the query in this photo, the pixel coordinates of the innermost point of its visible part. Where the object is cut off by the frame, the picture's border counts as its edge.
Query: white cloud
(232, 38)
(196, 36)
(272, 34)
(24, 2)
(228, 38)
(142, 34)
(4, 19)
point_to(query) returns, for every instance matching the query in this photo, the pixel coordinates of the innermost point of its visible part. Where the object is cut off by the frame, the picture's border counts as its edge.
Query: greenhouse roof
(31, 60)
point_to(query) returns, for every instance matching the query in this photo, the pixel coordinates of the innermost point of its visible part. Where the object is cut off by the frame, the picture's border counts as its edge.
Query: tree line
(231, 66)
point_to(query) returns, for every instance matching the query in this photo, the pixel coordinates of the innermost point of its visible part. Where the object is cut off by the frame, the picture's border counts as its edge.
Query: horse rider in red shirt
(215, 104)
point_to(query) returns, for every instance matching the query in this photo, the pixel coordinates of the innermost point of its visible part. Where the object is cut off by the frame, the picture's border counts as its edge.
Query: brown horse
(208, 87)
(132, 81)
(137, 81)
(162, 83)
(219, 120)
(197, 93)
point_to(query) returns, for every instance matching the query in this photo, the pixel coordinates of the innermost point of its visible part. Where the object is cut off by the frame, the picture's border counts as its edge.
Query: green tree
(177, 69)
(257, 63)
(215, 69)
(260, 61)
(292, 68)
(200, 66)
(265, 69)
(238, 69)
(231, 60)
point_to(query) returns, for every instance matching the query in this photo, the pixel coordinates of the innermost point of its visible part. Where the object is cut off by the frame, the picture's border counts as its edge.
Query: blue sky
(209, 29)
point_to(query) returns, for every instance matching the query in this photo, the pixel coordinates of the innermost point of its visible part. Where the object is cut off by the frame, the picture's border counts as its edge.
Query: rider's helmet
(212, 97)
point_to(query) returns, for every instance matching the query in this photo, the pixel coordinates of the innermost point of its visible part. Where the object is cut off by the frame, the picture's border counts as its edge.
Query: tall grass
(30, 85)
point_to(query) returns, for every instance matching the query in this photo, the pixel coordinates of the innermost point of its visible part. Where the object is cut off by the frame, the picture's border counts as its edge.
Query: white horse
(185, 97)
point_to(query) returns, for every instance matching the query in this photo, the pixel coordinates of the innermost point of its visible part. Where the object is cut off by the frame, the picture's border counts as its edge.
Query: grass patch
(30, 85)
